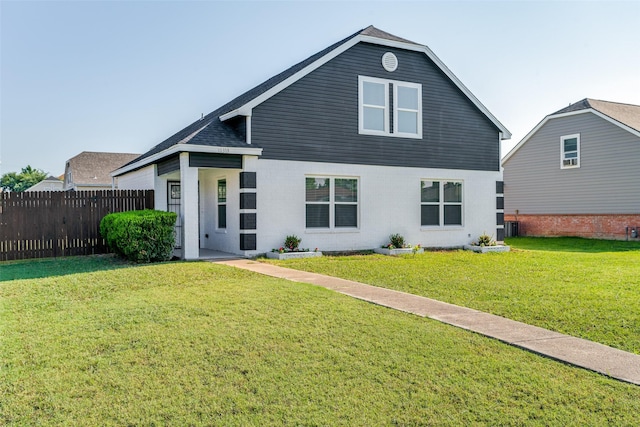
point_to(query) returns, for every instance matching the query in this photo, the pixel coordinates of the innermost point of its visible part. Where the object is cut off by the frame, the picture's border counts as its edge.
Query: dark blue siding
(213, 160)
(316, 118)
(169, 165)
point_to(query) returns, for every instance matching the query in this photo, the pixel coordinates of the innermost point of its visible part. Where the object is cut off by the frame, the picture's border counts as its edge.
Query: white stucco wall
(389, 202)
(212, 237)
(142, 179)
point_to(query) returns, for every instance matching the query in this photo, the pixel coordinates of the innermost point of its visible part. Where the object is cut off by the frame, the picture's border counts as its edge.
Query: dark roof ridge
(583, 104)
(378, 33)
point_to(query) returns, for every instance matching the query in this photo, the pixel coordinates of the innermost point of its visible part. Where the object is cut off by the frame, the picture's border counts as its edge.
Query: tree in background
(18, 182)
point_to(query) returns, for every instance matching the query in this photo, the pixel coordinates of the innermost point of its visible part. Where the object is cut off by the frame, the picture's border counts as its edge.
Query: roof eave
(561, 115)
(245, 109)
(189, 148)
(242, 111)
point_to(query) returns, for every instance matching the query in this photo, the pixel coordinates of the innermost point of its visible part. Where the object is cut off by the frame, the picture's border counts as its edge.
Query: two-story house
(373, 135)
(577, 173)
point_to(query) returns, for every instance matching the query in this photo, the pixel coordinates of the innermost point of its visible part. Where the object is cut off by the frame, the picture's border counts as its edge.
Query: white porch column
(160, 191)
(189, 203)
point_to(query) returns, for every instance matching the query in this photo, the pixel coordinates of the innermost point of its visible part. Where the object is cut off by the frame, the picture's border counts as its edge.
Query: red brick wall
(590, 226)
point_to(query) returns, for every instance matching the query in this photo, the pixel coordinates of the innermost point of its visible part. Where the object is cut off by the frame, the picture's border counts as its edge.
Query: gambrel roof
(626, 116)
(218, 129)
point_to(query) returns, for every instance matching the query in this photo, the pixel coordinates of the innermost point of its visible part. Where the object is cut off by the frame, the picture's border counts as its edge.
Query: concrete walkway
(609, 361)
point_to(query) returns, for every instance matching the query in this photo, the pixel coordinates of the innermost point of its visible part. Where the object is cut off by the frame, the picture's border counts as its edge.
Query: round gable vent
(389, 62)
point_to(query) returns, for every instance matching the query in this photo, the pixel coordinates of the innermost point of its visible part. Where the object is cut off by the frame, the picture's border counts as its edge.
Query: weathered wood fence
(61, 223)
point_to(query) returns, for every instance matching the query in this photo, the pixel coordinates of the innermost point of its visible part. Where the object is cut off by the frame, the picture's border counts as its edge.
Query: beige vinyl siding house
(577, 173)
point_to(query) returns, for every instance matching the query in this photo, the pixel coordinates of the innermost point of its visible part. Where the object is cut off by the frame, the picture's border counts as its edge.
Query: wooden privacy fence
(46, 224)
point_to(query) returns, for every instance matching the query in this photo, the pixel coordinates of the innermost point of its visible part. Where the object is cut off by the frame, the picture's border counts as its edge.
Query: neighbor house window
(390, 108)
(440, 203)
(331, 202)
(222, 203)
(570, 146)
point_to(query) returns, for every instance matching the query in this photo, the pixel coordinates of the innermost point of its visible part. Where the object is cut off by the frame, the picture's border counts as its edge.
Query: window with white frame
(440, 203)
(570, 149)
(222, 203)
(374, 106)
(331, 202)
(377, 107)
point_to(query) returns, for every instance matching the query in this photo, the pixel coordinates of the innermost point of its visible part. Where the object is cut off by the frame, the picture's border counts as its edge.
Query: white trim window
(222, 204)
(374, 116)
(570, 151)
(440, 203)
(331, 202)
(374, 106)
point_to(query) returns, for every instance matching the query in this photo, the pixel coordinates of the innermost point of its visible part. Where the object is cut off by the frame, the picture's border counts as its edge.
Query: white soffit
(189, 148)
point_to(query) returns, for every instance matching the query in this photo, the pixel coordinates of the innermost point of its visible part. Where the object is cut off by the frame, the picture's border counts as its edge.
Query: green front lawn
(204, 344)
(586, 288)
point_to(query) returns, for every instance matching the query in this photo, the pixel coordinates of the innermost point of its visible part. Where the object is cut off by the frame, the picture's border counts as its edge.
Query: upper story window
(570, 151)
(390, 108)
(374, 106)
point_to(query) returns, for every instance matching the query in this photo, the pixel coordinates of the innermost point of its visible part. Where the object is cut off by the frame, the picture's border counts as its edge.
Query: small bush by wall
(140, 236)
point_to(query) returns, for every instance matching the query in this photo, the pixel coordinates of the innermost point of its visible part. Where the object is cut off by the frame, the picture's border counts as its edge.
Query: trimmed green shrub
(140, 236)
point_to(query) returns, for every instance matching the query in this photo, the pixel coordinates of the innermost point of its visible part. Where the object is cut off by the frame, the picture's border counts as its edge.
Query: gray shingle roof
(375, 32)
(212, 132)
(627, 114)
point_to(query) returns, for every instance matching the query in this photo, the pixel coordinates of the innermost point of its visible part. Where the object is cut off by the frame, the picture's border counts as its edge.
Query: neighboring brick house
(577, 173)
(92, 170)
(373, 135)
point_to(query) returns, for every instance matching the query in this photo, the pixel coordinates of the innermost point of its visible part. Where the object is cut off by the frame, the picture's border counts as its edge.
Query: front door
(173, 205)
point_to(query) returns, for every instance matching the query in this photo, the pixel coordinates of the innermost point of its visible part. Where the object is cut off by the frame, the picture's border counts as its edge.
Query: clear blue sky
(123, 75)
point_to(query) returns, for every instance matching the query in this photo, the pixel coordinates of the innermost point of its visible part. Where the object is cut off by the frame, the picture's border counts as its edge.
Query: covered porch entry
(214, 197)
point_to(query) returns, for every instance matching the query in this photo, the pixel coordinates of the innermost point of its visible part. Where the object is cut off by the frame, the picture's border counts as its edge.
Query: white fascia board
(559, 116)
(188, 149)
(617, 123)
(242, 111)
(248, 107)
(505, 132)
(523, 140)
